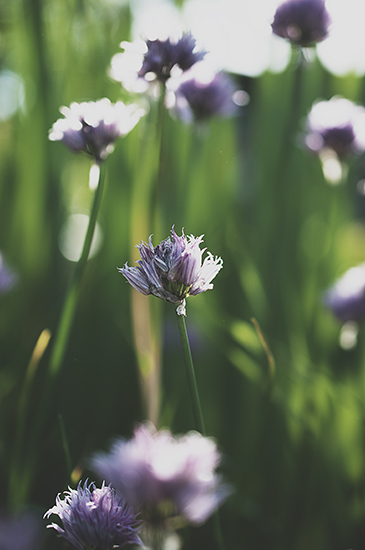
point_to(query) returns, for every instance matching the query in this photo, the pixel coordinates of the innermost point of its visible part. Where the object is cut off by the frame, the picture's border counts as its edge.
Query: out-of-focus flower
(143, 63)
(173, 270)
(7, 277)
(303, 22)
(337, 125)
(163, 55)
(93, 126)
(95, 518)
(346, 298)
(164, 475)
(200, 99)
(21, 532)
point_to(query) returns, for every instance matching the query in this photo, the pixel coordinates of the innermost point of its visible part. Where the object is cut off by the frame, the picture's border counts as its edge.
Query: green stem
(197, 410)
(23, 472)
(69, 306)
(194, 394)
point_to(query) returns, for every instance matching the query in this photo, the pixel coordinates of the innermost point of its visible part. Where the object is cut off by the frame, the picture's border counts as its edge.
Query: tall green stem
(22, 473)
(69, 306)
(196, 406)
(190, 371)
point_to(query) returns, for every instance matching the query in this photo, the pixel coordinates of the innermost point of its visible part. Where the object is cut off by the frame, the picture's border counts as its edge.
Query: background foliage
(293, 435)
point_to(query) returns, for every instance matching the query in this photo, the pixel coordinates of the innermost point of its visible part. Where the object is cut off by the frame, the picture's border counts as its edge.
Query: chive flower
(302, 22)
(346, 298)
(200, 100)
(165, 476)
(173, 270)
(95, 518)
(92, 127)
(163, 55)
(337, 125)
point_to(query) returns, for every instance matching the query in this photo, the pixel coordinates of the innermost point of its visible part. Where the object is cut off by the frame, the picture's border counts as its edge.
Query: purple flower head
(346, 298)
(337, 125)
(21, 532)
(173, 270)
(92, 127)
(303, 22)
(164, 475)
(163, 55)
(94, 517)
(200, 100)
(7, 277)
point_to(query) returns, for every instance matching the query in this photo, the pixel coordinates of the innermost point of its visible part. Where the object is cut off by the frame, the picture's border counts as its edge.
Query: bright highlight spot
(348, 335)
(72, 236)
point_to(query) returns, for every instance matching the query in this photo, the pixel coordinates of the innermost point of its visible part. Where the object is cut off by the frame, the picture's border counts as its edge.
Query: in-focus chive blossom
(337, 125)
(92, 127)
(173, 270)
(303, 22)
(95, 518)
(198, 100)
(346, 298)
(165, 476)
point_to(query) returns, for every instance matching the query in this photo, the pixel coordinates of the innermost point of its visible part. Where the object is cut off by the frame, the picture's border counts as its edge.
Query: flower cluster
(302, 22)
(337, 125)
(92, 127)
(164, 475)
(173, 270)
(346, 299)
(94, 517)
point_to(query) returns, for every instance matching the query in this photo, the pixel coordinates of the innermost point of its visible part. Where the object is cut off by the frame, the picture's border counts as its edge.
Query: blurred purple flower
(346, 298)
(303, 22)
(337, 125)
(21, 532)
(200, 100)
(92, 127)
(163, 55)
(173, 270)
(94, 517)
(7, 277)
(164, 475)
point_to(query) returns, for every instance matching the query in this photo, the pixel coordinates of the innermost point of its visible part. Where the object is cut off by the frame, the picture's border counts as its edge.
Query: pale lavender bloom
(93, 126)
(163, 55)
(173, 270)
(346, 298)
(164, 475)
(200, 100)
(337, 125)
(7, 277)
(95, 518)
(20, 532)
(303, 22)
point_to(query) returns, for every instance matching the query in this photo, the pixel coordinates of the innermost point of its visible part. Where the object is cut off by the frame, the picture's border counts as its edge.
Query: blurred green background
(293, 436)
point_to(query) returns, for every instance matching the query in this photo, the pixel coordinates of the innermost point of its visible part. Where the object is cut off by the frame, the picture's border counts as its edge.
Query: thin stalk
(69, 305)
(21, 420)
(190, 371)
(196, 406)
(24, 472)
